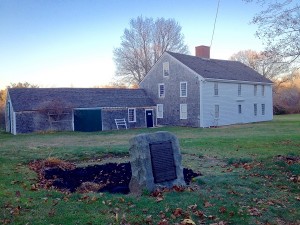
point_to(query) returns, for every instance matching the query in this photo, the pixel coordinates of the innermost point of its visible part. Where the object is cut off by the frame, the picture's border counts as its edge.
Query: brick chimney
(203, 51)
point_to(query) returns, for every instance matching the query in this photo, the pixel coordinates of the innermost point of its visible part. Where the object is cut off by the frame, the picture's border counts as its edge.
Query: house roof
(28, 99)
(220, 69)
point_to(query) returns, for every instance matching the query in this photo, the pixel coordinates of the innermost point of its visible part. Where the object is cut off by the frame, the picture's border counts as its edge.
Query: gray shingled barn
(77, 109)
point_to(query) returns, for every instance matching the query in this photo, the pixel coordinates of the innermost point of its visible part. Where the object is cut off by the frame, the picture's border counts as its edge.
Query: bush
(286, 100)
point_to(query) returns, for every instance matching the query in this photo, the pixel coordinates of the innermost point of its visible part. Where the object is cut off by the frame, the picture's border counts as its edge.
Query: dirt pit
(109, 177)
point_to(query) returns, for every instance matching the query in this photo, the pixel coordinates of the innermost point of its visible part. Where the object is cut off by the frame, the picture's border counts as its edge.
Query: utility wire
(212, 37)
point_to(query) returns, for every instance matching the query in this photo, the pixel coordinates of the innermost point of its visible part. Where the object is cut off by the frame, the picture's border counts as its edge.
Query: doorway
(87, 120)
(149, 117)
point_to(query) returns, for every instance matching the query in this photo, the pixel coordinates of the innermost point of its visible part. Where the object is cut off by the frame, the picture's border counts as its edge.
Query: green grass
(228, 190)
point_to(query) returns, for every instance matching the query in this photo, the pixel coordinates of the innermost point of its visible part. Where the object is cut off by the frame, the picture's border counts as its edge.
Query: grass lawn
(244, 181)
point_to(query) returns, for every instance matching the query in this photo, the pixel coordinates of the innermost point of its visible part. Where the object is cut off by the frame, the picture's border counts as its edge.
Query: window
(255, 89)
(240, 109)
(216, 89)
(263, 109)
(255, 109)
(161, 90)
(131, 115)
(183, 111)
(160, 110)
(183, 89)
(166, 69)
(239, 89)
(217, 112)
(263, 90)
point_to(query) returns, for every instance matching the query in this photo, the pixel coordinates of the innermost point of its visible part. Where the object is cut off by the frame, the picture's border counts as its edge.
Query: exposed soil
(110, 177)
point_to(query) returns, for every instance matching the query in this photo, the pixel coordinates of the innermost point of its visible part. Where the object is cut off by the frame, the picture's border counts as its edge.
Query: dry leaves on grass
(254, 211)
(39, 166)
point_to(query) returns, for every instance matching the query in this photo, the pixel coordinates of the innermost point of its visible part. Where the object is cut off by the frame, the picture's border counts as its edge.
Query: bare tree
(279, 28)
(143, 43)
(268, 65)
(22, 85)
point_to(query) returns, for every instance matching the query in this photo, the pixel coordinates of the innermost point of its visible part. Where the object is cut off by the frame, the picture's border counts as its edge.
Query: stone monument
(155, 162)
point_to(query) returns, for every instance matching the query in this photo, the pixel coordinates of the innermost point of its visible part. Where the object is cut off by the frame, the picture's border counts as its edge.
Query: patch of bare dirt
(110, 177)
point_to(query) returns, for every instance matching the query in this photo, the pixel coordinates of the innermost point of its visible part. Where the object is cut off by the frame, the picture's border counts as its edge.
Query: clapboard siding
(228, 101)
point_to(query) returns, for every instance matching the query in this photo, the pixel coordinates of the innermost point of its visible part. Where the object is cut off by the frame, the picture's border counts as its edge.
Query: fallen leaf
(229, 170)
(121, 200)
(51, 212)
(16, 211)
(192, 207)
(162, 215)
(188, 222)
(199, 213)
(33, 187)
(163, 222)
(254, 211)
(207, 204)
(178, 188)
(148, 219)
(94, 199)
(246, 166)
(178, 212)
(211, 217)
(222, 209)
(18, 194)
(159, 199)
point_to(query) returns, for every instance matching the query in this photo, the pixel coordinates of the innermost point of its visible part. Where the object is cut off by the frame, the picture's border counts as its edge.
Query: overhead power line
(212, 37)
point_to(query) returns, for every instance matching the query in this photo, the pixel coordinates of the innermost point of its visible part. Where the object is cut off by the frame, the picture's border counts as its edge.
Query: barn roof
(220, 69)
(28, 99)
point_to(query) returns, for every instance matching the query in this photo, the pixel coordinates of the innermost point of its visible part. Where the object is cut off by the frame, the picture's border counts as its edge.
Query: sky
(70, 43)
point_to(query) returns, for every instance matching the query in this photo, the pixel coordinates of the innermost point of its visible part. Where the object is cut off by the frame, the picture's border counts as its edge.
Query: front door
(149, 117)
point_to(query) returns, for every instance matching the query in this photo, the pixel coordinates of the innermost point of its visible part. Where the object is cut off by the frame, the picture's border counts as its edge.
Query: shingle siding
(109, 115)
(30, 107)
(172, 99)
(33, 121)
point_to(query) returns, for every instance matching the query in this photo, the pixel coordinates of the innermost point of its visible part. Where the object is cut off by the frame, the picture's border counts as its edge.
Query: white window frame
(166, 69)
(160, 111)
(183, 111)
(240, 109)
(255, 89)
(216, 89)
(255, 109)
(263, 90)
(133, 110)
(263, 109)
(183, 89)
(239, 89)
(217, 111)
(161, 91)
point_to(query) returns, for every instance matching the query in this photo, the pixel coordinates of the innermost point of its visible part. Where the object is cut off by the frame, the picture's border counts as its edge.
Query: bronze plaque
(162, 158)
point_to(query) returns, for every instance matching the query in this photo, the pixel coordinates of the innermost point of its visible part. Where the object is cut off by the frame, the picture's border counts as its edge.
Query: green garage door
(87, 120)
